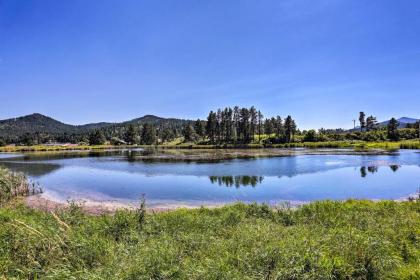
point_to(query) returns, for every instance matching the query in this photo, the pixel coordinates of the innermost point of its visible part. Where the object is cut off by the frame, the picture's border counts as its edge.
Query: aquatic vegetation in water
(14, 184)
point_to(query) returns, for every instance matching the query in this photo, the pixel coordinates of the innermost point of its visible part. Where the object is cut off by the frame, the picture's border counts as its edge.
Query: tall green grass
(14, 184)
(322, 240)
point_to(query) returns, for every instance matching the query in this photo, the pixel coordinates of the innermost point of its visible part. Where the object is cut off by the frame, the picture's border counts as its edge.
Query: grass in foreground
(322, 240)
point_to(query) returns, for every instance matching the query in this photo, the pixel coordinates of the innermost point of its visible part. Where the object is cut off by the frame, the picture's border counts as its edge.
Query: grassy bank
(323, 240)
(45, 148)
(406, 144)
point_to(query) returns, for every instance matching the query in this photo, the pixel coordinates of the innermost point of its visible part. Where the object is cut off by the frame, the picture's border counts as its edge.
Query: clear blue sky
(84, 61)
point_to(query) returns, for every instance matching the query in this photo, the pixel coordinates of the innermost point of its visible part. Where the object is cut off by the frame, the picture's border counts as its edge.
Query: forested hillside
(37, 128)
(223, 126)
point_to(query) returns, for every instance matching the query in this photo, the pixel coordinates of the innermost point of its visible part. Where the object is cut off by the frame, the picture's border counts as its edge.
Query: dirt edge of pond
(103, 207)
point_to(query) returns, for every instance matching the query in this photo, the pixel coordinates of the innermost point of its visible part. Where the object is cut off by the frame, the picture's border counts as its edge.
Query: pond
(297, 176)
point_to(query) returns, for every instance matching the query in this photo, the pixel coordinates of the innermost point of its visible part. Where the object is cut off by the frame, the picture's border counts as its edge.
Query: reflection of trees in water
(394, 167)
(365, 169)
(363, 172)
(236, 181)
(31, 169)
(373, 169)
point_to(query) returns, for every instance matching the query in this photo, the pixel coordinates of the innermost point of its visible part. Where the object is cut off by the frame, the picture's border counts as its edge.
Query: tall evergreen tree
(148, 135)
(260, 124)
(200, 128)
(362, 120)
(392, 130)
(289, 128)
(371, 123)
(188, 133)
(253, 115)
(131, 135)
(279, 128)
(244, 125)
(211, 126)
(268, 127)
(167, 134)
(97, 138)
(236, 117)
(228, 125)
(219, 124)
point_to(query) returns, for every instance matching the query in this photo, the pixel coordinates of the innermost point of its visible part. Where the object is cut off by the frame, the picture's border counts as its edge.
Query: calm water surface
(118, 176)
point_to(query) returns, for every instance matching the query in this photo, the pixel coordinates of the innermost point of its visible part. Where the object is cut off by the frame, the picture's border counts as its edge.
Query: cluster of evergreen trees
(368, 124)
(240, 125)
(224, 126)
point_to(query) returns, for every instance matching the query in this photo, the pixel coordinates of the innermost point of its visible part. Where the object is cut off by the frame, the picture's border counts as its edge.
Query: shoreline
(96, 207)
(352, 144)
(200, 156)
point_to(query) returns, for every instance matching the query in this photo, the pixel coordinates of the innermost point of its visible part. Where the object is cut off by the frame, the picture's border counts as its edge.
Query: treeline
(369, 130)
(224, 126)
(234, 126)
(243, 125)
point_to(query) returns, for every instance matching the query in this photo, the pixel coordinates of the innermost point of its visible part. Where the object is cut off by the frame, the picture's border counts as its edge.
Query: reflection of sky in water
(299, 178)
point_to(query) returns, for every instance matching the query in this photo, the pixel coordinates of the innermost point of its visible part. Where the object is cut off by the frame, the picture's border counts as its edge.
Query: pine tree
(188, 133)
(253, 115)
(211, 126)
(392, 130)
(279, 128)
(244, 125)
(200, 128)
(236, 114)
(362, 120)
(260, 124)
(148, 135)
(268, 127)
(289, 128)
(131, 135)
(167, 134)
(371, 123)
(97, 138)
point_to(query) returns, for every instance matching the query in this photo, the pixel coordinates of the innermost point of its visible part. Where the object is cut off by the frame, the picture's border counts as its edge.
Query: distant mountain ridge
(402, 122)
(39, 123)
(15, 128)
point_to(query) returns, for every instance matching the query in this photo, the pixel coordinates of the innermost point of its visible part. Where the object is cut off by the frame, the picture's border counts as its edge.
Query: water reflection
(363, 172)
(31, 169)
(374, 169)
(394, 167)
(371, 169)
(236, 181)
(123, 174)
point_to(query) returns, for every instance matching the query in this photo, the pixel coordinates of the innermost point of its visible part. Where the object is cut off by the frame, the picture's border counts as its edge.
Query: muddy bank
(93, 207)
